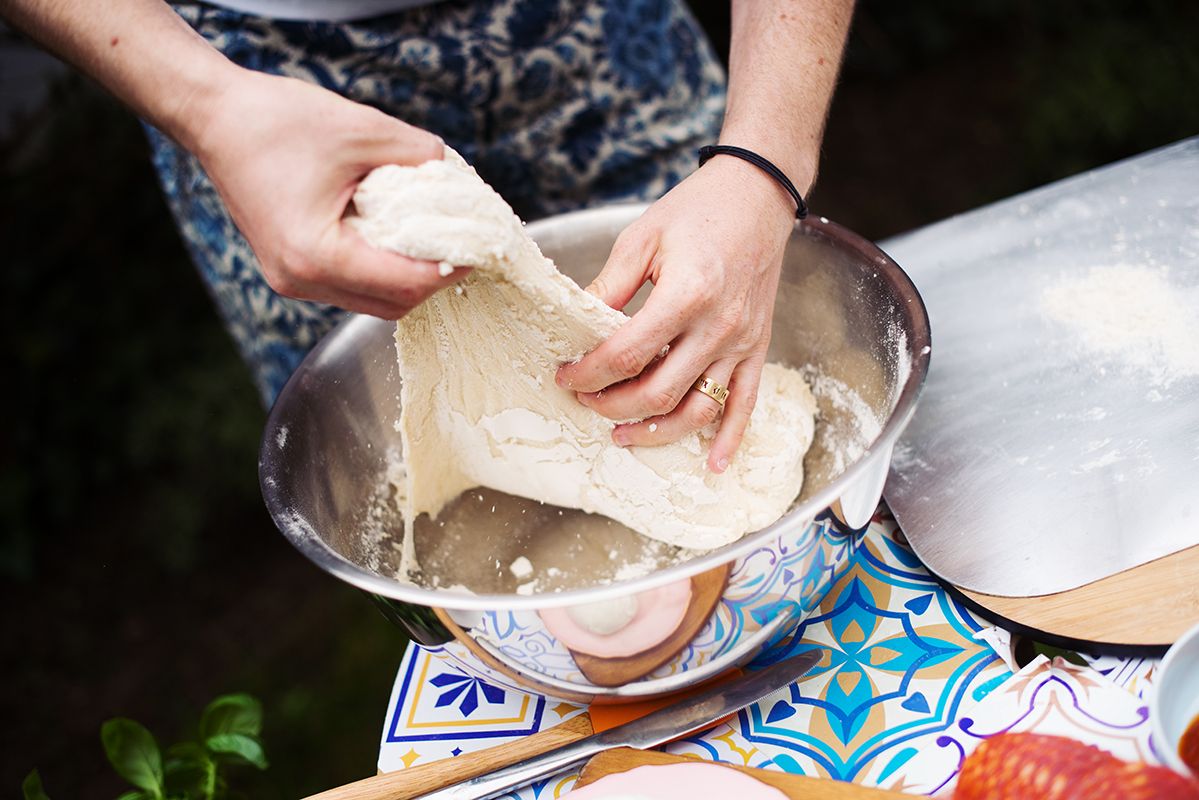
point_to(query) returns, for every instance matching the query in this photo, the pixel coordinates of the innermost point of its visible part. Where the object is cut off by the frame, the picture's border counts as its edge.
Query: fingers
(364, 304)
(373, 281)
(695, 411)
(287, 160)
(698, 410)
(627, 352)
(660, 387)
(391, 277)
(341, 298)
(743, 396)
(345, 271)
(624, 272)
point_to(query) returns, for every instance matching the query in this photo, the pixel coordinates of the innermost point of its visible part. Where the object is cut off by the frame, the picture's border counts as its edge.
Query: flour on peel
(480, 405)
(1131, 317)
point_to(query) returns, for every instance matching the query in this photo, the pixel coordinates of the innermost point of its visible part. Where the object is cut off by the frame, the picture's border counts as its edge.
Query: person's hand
(286, 157)
(713, 247)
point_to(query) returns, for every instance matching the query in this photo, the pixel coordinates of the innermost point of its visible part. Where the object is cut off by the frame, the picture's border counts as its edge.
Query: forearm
(139, 49)
(783, 64)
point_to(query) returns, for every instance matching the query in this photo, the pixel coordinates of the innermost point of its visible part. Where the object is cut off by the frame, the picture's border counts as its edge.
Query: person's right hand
(286, 157)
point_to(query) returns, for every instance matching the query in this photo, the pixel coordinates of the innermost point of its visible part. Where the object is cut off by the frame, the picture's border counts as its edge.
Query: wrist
(764, 180)
(797, 163)
(752, 187)
(191, 119)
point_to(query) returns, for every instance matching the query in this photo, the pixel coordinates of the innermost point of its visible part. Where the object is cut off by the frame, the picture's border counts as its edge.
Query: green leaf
(187, 751)
(239, 746)
(187, 769)
(31, 787)
(232, 713)
(133, 753)
(187, 778)
(1049, 651)
(135, 794)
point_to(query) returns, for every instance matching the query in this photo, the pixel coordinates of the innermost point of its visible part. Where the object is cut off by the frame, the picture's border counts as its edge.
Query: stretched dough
(479, 402)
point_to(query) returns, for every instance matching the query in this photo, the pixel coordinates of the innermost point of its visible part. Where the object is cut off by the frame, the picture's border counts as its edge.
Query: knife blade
(688, 715)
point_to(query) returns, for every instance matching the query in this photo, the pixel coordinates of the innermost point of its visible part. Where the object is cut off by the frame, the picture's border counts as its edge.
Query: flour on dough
(479, 401)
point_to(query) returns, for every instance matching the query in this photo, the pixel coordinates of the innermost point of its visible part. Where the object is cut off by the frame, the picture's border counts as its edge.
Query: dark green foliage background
(140, 575)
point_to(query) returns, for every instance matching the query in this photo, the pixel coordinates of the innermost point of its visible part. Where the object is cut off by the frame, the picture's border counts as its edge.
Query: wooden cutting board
(1148, 606)
(798, 787)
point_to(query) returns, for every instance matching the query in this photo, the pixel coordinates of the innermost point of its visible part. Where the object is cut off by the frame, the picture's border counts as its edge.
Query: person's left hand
(713, 248)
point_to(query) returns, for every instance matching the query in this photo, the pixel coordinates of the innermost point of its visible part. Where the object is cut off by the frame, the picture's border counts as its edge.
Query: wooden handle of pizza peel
(416, 781)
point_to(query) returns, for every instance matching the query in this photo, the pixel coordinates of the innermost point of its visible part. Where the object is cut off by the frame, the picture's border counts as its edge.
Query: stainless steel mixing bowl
(845, 311)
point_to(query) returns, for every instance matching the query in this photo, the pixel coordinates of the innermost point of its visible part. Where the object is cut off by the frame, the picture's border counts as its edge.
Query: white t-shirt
(324, 10)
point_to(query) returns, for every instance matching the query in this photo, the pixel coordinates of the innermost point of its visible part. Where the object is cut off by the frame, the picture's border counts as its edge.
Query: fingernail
(620, 437)
(722, 464)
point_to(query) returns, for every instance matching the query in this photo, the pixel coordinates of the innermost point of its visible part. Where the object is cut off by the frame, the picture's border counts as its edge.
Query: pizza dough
(479, 402)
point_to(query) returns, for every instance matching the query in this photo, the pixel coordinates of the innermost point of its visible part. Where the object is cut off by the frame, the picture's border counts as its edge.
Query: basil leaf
(31, 787)
(133, 753)
(1049, 651)
(232, 713)
(187, 778)
(239, 747)
(187, 751)
(187, 769)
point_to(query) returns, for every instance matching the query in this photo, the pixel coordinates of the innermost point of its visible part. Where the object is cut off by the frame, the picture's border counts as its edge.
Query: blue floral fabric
(557, 103)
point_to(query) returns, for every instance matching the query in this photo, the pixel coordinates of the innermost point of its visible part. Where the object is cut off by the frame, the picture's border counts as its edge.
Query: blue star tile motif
(897, 658)
(858, 656)
(466, 690)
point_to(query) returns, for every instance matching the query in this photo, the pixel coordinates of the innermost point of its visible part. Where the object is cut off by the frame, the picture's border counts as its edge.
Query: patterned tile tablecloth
(909, 681)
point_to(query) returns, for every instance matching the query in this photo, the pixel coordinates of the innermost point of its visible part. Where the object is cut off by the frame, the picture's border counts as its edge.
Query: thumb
(394, 141)
(623, 273)
(386, 275)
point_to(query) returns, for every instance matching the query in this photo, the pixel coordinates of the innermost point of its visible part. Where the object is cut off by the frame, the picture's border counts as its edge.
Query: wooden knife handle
(416, 781)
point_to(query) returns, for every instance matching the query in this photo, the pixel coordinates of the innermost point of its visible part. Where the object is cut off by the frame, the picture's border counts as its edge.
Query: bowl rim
(1167, 747)
(299, 532)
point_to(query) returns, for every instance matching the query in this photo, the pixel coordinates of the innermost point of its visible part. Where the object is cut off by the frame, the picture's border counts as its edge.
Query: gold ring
(711, 388)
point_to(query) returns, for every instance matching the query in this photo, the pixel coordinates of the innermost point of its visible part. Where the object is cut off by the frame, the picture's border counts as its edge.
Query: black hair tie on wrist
(707, 151)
